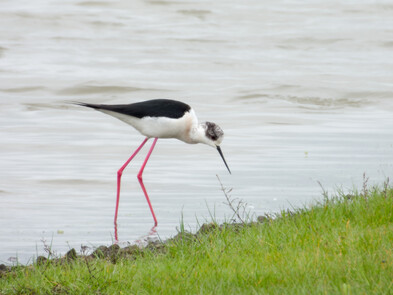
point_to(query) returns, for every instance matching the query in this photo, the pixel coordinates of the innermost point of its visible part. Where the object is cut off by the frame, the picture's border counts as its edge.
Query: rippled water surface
(302, 90)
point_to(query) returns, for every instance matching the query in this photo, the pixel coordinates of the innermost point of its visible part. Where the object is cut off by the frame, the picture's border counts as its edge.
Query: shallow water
(303, 92)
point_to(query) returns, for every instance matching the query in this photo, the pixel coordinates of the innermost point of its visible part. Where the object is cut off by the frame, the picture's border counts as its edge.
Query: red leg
(141, 181)
(119, 173)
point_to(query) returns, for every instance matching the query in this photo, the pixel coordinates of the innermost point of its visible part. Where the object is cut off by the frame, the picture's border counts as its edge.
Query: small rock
(262, 219)
(113, 252)
(184, 236)
(4, 269)
(131, 250)
(114, 248)
(71, 255)
(206, 228)
(41, 260)
(154, 245)
(100, 252)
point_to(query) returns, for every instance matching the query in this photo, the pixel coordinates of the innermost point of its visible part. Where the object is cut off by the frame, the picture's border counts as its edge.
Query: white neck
(198, 135)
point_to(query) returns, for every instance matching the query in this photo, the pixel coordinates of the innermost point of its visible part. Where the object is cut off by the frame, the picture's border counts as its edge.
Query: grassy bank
(344, 245)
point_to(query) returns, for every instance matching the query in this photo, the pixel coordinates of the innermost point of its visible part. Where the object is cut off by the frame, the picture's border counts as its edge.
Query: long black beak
(222, 156)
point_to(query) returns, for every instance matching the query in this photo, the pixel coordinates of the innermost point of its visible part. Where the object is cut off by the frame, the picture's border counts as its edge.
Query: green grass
(343, 245)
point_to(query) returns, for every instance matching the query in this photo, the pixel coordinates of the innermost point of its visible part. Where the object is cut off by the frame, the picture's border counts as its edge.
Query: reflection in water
(140, 241)
(150, 236)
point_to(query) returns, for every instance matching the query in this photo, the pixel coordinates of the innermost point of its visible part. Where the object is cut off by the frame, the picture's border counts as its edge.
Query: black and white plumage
(164, 118)
(161, 118)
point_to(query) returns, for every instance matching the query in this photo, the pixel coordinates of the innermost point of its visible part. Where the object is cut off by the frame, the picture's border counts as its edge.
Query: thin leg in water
(119, 173)
(141, 181)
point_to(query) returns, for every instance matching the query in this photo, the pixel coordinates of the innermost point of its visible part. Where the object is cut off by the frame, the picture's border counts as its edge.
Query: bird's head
(211, 134)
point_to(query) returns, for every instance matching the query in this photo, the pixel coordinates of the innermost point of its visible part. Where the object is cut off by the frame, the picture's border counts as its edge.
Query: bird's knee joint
(139, 177)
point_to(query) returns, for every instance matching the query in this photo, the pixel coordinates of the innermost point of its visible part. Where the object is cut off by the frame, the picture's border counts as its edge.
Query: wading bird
(160, 118)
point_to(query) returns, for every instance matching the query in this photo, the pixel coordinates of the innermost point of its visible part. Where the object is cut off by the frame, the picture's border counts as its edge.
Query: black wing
(151, 108)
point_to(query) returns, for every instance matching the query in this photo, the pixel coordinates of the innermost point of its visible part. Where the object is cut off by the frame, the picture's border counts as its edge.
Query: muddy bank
(114, 252)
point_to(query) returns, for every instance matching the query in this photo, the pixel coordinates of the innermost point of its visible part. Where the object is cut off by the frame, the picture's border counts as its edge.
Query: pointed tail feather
(83, 104)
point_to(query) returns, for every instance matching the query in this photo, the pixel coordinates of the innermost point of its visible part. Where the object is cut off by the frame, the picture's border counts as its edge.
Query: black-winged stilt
(160, 118)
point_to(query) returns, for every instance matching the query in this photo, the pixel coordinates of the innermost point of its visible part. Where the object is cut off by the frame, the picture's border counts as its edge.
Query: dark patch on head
(213, 131)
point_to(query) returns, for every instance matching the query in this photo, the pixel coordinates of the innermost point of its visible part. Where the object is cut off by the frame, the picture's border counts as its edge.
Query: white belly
(161, 127)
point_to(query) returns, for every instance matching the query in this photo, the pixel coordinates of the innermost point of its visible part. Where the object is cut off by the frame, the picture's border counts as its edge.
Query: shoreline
(339, 245)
